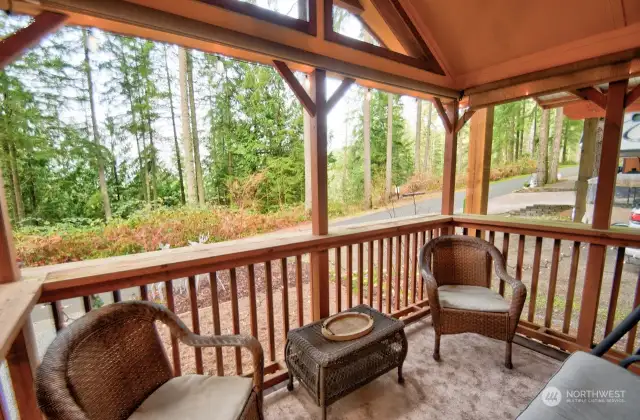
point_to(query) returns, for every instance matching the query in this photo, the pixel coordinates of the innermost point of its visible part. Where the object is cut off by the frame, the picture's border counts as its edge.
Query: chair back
(459, 260)
(104, 365)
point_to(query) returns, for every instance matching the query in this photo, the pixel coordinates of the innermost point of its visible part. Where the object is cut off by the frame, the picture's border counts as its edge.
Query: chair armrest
(185, 335)
(250, 343)
(430, 283)
(519, 294)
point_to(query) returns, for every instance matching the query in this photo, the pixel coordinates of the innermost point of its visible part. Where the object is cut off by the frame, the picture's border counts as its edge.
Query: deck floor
(470, 382)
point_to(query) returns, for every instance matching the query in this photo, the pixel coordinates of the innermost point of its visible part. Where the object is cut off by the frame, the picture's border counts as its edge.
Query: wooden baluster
(360, 272)
(299, 294)
(285, 296)
(175, 349)
(370, 273)
(430, 234)
(117, 296)
(398, 268)
(235, 316)
(349, 277)
(492, 241)
(338, 279)
(58, 315)
(519, 261)
(423, 236)
(215, 315)
(270, 321)
(380, 272)
(534, 279)
(405, 284)
(195, 322)
(615, 291)
(571, 288)
(492, 237)
(389, 272)
(553, 279)
(253, 305)
(414, 267)
(86, 302)
(505, 254)
(631, 337)
(144, 293)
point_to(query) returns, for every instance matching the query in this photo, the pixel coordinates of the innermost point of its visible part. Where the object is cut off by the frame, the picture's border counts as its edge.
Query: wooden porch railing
(261, 285)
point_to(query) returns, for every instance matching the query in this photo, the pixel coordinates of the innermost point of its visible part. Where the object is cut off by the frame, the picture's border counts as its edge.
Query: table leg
(405, 346)
(290, 371)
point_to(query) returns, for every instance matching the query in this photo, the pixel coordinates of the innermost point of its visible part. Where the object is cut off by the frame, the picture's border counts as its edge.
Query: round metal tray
(347, 326)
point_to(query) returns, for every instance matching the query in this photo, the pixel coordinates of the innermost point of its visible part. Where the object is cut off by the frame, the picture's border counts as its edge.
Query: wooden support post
(22, 356)
(602, 210)
(450, 119)
(319, 209)
(585, 170)
(480, 140)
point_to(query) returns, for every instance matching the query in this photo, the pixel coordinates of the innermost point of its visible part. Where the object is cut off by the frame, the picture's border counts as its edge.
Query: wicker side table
(329, 370)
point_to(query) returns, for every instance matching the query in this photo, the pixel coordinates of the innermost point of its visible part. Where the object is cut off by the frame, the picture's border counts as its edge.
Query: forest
(112, 145)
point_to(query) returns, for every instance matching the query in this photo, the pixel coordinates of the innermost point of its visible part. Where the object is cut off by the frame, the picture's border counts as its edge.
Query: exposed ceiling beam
(192, 25)
(353, 6)
(13, 46)
(405, 31)
(556, 83)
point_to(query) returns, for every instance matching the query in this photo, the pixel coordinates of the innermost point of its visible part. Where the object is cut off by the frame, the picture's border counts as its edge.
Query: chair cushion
(196, 397)
(471, 298)
(580, 376)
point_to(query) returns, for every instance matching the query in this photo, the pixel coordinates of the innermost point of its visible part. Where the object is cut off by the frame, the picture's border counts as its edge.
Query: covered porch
(578, 285)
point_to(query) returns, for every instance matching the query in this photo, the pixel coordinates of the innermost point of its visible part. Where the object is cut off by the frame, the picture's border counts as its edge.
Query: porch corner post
(605, 194)
(450, 148)
(319, 207)
(22, 354)
(480, 141)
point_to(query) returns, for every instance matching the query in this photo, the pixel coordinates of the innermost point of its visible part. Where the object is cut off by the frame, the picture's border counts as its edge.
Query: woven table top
(324, 351)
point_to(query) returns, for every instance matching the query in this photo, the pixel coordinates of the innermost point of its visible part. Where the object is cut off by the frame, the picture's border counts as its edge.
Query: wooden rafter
(465, 117)
(632, 96)
(12, 47)
(339, 93)
(591, 94)
(296, 87)
(406, 32)
(353, 6)
(443, 114)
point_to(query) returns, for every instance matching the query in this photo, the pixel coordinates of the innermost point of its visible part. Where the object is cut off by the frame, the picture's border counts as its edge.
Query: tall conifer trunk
(192, 194)
(194, 132)
(557, 141)
(173, 124)
(102, 180)
(541, 170)
(389, 168)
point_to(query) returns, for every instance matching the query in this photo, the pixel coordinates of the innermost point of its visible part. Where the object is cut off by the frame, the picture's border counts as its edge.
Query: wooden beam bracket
(339, 93)
(443, 115)
(465, 117)
(296, 87)
(591, 94)
(632, 96)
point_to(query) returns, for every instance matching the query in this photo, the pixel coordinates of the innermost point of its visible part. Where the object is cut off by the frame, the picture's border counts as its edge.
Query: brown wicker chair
(111, 365)
(456, 271)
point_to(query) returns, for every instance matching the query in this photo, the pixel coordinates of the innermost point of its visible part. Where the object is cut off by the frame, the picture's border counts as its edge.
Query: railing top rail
(74, 279)
(617, 236)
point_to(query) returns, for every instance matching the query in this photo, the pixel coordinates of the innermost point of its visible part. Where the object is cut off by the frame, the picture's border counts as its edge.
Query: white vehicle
(633, 254)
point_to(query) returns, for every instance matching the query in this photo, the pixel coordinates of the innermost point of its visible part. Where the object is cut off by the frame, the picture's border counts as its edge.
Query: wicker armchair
(457, 275)
(111, 365)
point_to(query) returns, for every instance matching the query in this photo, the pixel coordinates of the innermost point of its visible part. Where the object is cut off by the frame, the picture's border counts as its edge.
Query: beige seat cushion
(195, 397)
(472, 298)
